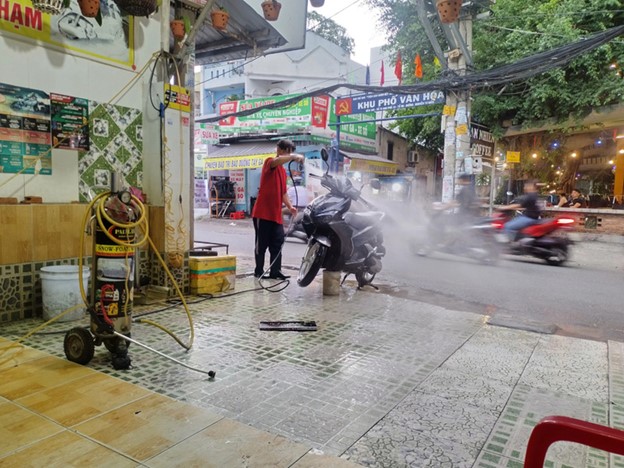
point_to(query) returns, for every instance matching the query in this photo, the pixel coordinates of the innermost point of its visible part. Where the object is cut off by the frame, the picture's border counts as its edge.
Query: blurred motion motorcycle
(448, 232)
(547, 240)
(339, 237)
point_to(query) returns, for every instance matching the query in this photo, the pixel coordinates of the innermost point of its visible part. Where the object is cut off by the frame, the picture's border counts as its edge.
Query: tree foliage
(330, 30)
(517, 29)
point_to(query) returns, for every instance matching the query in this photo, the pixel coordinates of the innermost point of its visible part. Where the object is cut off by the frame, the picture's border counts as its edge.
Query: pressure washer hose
(97, 205)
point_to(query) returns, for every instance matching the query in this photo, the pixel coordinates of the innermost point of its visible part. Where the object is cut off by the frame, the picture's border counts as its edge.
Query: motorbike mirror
(324, 154)
(510, 193)
(374, 183)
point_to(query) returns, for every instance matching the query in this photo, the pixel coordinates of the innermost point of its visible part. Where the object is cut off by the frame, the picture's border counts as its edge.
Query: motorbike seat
(362, 220)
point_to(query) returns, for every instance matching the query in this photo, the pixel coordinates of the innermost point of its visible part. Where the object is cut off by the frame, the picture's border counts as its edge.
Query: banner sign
(179, 98)
(206, 134)
(236, 162)
(70, 122)
(72, 32)
(297, 116)
(376, 167)
(25, 142)
(481, 141)
(386, 101)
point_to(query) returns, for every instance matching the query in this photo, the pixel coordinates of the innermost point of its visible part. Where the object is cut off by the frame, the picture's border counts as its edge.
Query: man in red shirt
(267, 211)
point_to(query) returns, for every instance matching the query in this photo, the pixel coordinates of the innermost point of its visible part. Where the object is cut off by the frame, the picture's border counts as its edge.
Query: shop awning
(248, 33)
(370, 163)
(240, 156)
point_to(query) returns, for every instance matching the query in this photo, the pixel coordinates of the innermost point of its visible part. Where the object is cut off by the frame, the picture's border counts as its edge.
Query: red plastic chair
(561, 428)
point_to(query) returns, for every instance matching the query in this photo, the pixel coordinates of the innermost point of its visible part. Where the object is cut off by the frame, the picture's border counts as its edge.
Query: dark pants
(269, 234)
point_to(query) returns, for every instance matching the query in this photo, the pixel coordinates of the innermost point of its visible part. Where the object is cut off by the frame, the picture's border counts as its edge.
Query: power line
(520, 70)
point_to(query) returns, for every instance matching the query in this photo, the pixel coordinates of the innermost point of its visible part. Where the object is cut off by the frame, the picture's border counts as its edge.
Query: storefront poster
(72, 32)
(24, 130)
(178, 98)
(70, 122)
(238, 177)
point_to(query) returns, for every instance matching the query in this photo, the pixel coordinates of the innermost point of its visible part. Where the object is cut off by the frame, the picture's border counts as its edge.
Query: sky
(360, 23)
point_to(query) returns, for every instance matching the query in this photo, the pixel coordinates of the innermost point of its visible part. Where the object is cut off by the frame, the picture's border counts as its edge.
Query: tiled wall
(20, 284)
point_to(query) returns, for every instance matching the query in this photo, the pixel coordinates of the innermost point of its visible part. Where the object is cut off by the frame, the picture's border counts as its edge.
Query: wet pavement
(385, 381)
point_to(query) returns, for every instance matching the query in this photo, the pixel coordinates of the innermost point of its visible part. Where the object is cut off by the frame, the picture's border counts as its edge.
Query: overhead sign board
(513, 156)
(380, 102)
(481, 141)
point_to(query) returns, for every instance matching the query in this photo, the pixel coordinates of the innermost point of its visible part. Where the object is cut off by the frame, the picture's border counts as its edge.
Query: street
(582, 299)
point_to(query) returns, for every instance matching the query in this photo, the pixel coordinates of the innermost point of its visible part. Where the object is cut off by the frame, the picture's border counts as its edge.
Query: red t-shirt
(271, 193)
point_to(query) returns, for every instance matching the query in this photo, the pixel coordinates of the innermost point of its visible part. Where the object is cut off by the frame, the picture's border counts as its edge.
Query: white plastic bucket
(60, 290)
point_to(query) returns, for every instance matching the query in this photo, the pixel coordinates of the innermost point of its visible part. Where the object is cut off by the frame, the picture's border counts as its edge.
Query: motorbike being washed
(339, 237)
(546, 240)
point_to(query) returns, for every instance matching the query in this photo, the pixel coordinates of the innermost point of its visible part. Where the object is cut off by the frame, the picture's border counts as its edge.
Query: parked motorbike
(547, 240)
(294, 226)
(447, 232)
(340, 238)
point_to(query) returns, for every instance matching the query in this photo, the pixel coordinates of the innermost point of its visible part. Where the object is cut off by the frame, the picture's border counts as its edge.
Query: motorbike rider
(446, 229)
(528, 203)
(466, 199)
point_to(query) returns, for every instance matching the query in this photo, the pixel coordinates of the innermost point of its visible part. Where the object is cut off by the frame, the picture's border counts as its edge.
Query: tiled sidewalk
(383, 382)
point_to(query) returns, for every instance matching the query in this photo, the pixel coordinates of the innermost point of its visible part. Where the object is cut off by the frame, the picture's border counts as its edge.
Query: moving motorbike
(340, 238)
(448, 232)
(547, 240)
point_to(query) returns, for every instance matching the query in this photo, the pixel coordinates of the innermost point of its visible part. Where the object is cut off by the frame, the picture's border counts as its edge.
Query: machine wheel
(364, 277)
(79, 346)
(311, 263)
(558, 256)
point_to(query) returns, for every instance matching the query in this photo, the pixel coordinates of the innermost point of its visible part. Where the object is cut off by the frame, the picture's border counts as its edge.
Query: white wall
(27, 64)
(322, 63)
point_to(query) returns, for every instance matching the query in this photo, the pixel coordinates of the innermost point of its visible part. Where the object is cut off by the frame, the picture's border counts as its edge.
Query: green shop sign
(297, 116)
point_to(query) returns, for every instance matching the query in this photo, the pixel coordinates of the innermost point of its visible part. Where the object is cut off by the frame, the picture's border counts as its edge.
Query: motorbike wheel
(311, 263)
(558, 256)
(364, 277)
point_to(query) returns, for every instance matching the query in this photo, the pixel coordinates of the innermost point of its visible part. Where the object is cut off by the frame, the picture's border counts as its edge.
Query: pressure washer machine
(113, 223)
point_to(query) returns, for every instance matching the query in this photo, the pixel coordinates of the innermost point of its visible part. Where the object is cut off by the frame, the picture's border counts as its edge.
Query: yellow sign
(461, 129)
(178, 97)
(449, 110)
(512, 157)
(72, 32)
(376, 167)
(236, 162)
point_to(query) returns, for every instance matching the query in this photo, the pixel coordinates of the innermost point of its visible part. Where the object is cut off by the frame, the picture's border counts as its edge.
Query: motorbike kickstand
(344, 278)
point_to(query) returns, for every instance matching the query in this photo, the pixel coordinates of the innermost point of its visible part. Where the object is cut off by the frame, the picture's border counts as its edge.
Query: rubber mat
(289, 326)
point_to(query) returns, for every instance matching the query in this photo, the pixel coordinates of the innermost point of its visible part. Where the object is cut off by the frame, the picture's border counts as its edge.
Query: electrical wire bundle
(522, 69)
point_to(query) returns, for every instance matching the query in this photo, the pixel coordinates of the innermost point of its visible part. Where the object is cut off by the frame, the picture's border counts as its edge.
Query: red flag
(382, 80)
(398, 67)
(418, 70)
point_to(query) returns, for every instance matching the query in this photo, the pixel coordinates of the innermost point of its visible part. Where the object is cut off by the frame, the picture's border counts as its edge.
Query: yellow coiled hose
(97, 206)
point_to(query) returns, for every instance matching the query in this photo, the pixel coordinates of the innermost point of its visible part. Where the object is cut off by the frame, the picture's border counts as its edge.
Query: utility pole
(456, 126)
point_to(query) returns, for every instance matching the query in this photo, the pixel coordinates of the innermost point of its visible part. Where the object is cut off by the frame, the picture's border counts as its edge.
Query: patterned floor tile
(471, 389)
(403, 447)
(396, 382)
(527, 406)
